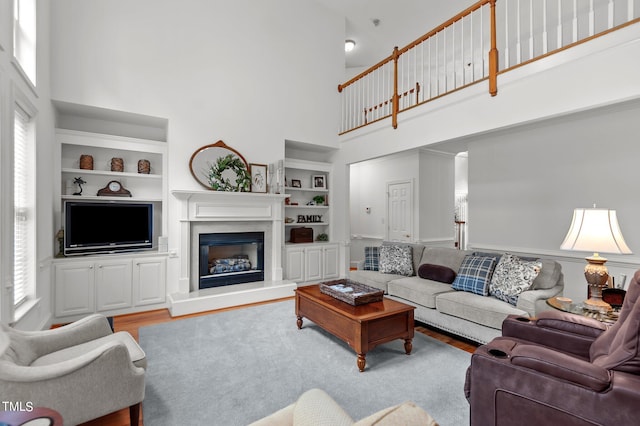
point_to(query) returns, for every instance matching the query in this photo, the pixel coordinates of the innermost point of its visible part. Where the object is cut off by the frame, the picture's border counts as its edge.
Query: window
(24, 36)
(23, 205)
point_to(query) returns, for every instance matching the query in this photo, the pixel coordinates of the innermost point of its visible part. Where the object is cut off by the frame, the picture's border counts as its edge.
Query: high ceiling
(399, 23)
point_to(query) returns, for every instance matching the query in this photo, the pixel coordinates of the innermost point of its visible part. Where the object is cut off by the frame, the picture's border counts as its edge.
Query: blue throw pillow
(474, 275)
(371, 258)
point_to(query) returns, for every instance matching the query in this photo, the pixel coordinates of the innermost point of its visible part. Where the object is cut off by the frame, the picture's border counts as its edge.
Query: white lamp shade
(595, 230)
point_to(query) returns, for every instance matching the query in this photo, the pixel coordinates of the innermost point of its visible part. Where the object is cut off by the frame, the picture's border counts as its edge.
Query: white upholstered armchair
(82, 370)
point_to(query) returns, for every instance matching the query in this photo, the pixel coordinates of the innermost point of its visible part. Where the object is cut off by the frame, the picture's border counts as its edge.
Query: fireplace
(228, 258)
(219, 212)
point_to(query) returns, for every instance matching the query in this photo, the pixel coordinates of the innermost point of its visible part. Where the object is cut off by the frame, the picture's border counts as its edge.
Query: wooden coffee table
(362, 327)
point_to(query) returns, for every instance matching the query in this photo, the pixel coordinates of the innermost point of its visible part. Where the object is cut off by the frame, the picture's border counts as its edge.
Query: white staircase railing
(489, 38)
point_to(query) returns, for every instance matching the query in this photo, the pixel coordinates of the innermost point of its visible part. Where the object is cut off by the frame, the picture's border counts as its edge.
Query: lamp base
(597, 277)
(599, 305)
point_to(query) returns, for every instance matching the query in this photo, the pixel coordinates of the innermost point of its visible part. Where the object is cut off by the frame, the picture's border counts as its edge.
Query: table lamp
(595, 230)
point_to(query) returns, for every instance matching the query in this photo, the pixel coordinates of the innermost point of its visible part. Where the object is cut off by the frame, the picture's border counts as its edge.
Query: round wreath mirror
(220, 168)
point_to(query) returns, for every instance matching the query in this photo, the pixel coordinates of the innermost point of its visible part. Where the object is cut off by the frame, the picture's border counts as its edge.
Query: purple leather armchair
(560, 369)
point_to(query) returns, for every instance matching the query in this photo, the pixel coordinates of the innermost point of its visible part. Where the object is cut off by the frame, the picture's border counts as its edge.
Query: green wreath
(229, 162)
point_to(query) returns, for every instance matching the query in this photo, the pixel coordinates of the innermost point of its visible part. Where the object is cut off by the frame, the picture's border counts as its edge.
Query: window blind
(21, 207)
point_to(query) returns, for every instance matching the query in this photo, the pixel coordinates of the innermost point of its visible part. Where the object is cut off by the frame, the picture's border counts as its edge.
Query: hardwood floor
(133, 322)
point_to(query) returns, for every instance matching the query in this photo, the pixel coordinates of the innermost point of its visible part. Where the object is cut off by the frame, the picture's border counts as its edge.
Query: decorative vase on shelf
(86, 162)
(144, 167)
(117, 164)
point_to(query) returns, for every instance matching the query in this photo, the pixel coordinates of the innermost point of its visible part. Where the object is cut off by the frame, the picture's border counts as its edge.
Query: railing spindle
(518, 34)
(473, 55)
(545, 39)
(630, 13)
(559, 41)
(531, 53)
(592, 19)
(611, 11)
(575, 21)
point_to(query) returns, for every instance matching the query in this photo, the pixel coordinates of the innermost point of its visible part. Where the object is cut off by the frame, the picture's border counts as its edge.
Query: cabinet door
(113, 284)
(149, 280)
(330, 262)
(313, 264)
(294, 264)
(74, 288)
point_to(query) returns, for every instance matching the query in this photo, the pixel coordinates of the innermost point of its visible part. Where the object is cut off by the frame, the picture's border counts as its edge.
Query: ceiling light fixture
(349, 45)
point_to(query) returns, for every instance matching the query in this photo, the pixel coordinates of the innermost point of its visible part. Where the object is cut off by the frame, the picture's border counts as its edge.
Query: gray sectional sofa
(472, 316)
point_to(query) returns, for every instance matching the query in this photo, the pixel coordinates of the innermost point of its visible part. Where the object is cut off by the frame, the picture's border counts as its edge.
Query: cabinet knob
(100, 266)
(91, 267)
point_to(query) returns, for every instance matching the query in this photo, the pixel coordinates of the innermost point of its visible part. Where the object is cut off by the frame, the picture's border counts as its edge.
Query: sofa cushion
(396, 259)
(138, 357)
(512, 276)
(371, 258)
(373, 279)
(549, 275)
(316, 407)
(418, 290)
(406, 413)
(445, 256)
(475, 274)
(17, 348)
(483, 310)
(438, 273)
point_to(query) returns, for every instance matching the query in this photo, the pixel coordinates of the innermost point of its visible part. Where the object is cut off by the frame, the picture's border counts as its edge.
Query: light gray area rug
(235, 367)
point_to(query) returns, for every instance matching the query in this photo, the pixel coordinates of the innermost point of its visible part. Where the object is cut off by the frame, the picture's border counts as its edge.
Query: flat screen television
(107, 227)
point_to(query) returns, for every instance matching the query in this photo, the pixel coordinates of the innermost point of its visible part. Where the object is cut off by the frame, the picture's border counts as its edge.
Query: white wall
(525, 182)
(432, 174)
(436, 192)
(248, 72)
(368, 188)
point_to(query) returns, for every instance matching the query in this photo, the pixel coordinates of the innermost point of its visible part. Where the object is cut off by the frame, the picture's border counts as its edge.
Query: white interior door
(400, 211)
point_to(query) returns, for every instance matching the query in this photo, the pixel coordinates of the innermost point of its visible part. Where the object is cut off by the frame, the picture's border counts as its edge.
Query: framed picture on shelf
(319, 182)
(295, 183)
(258, 177)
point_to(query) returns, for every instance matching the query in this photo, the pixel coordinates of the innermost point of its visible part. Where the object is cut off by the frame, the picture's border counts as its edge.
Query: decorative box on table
(301, 235)
(351, 292)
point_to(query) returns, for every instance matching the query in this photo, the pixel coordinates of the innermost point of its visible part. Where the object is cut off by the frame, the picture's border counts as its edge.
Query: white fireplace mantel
(218, 208)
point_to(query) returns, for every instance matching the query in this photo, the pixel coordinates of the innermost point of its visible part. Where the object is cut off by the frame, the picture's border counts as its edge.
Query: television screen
(95, 227)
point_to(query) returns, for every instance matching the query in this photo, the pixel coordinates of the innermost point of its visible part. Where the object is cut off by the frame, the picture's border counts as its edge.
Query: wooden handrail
(448, 81)
(397, 52)
(446, 24)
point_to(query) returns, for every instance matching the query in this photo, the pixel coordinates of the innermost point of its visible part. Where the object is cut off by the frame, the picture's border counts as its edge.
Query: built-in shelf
(306, 207)
(292, 189)
(306, 224)
(110, 173)
(103, 148)
(96, 198)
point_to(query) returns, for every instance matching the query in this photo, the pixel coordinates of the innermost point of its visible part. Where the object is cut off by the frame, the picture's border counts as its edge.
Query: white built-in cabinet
(114, 283)
(318, 260)
(301, 210)
(312, 262)
(109, 284)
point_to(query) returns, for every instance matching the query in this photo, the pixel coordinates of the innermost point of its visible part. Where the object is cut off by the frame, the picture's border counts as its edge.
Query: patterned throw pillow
(474, 275)
(371, 258)
(396, 259)
(512, 276)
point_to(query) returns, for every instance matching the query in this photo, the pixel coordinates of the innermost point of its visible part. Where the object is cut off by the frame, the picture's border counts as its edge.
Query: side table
(578, 309)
